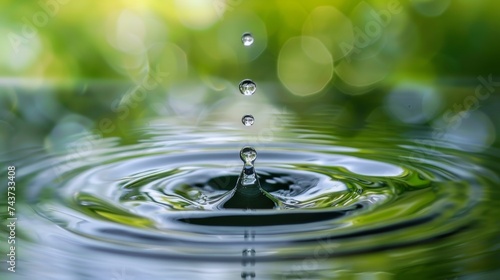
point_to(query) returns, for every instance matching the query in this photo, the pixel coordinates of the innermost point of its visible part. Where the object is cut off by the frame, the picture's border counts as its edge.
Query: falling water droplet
(247, 87)
(248, 155)
(247, 39)
(248, 120)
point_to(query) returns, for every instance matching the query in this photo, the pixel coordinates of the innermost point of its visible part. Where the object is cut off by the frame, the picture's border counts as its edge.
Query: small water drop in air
(247, 39)
(247, 87)
(248, 120)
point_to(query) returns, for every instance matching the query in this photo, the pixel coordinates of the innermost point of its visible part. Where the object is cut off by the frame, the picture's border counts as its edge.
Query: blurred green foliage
(384, 60)
(69, 39)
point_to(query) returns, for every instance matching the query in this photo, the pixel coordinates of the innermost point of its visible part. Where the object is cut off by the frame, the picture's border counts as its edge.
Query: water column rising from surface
(248, 194)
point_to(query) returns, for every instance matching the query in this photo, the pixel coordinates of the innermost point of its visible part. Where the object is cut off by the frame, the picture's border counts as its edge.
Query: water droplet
(247, 39)
(247, 120)
(248, 155)
(247, 87)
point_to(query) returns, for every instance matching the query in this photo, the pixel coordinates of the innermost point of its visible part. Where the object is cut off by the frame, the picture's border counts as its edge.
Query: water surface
(370, 205)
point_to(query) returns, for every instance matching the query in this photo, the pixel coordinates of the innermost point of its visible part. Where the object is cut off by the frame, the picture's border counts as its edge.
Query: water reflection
(363, 203)
(248, 257)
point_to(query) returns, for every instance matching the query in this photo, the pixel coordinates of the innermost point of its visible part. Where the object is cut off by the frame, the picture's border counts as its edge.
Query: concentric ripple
(161, 196)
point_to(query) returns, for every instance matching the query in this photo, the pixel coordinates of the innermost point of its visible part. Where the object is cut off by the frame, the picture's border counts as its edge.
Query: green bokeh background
(393, 62)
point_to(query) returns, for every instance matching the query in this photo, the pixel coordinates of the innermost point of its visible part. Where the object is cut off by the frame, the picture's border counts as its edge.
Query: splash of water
(248, 194)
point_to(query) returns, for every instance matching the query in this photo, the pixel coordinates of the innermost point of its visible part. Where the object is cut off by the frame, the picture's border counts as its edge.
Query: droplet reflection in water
(248, 120)
(166, 195)
(247, 39)
(247, 87)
